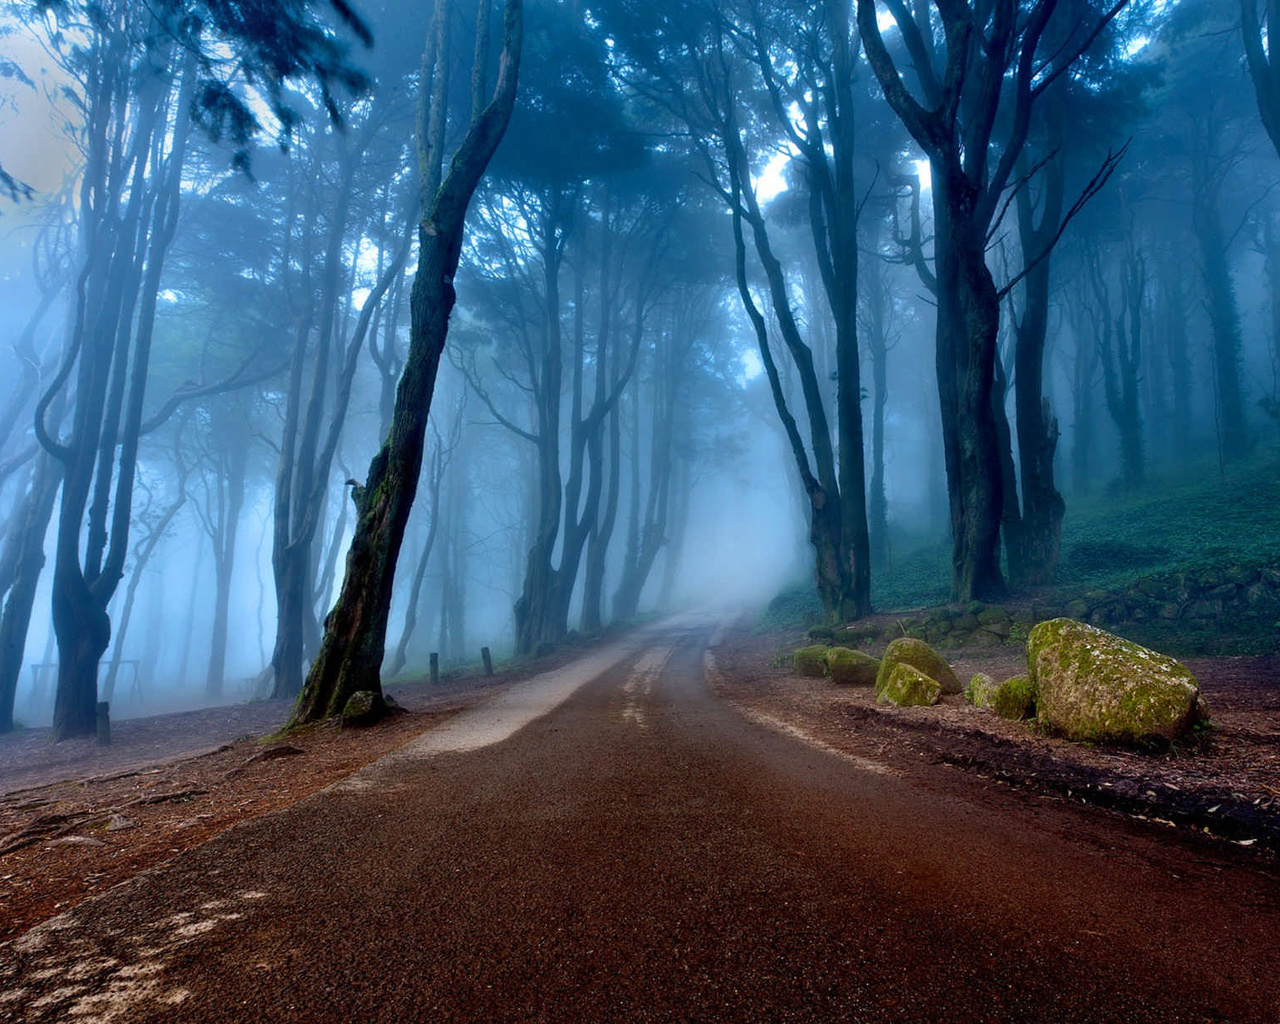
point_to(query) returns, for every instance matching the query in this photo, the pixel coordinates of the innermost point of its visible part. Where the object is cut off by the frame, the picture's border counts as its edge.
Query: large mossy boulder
(1092, 685)
(923, 658)
(811, 660)
(851, 668)
(906, 686)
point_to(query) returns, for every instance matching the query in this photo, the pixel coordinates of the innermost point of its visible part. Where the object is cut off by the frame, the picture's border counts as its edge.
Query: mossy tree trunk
(351, 653)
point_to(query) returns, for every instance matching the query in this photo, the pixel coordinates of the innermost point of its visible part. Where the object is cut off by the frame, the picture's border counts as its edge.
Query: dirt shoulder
(1225, 784)
(76, 819)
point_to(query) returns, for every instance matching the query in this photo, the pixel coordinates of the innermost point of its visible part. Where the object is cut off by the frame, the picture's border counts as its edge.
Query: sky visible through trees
(341, 334)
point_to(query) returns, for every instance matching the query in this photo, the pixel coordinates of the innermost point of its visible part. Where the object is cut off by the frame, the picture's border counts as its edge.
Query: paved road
(642, 853)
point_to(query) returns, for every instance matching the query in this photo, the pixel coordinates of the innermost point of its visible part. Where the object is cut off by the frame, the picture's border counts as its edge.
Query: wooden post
(488, 661)
(104, 723)
(435, 669)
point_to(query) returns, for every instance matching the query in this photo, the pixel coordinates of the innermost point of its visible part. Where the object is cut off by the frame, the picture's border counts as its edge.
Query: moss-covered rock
(851, 668)
(1092, 685)
(851, 636)
(364, 707)
(810, 661)
(920, 656)
(1014, 698)
(993, 617)
(978, 692)
(906, 686)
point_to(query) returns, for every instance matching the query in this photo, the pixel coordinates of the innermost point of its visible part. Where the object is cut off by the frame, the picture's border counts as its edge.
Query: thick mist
(723, 330)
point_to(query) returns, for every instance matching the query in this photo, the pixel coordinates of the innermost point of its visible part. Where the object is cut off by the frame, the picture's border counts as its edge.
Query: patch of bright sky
(35, 148)
(772, 181)
(925, 173)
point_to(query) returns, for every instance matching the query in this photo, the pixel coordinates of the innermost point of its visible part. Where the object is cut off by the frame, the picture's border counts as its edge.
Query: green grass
(1197, 520)
(794, 608)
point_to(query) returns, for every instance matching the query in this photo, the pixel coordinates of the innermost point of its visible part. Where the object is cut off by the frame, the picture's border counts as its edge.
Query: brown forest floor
(76, 819)
(1225, 783)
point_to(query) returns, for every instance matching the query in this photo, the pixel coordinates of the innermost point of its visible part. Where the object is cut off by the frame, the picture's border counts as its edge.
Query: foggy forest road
(643, 852)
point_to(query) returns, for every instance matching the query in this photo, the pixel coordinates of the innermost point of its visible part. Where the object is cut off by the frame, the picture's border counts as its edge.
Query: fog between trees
(746, 293)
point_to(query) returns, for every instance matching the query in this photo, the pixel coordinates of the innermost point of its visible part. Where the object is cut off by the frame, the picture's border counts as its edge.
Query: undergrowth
(1202, 519)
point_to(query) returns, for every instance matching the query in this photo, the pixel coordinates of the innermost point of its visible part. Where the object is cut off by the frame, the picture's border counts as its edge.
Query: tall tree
(1264, 72)
(351, 653)
(142, 73)
(979, 68)
(748, 79)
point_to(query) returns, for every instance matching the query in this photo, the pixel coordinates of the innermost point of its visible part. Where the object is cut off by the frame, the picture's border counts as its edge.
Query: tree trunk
(602, 533)
(1042, 505)
(1011, 525)
(967, 327)
(351, 654)
(1224, 319)
(224, 562)
(435, 482)
(27, 542)
(877, 298)
(534, 608)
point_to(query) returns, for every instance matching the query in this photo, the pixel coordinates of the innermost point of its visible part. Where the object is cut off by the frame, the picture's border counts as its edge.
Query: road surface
(613, 844)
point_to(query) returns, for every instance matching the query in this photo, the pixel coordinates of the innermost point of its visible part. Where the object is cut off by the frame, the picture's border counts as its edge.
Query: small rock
(849, 667)
(279, 750)
(78, 841)
(923, 658)
(993, 617)
(1014, 698)
(906, 686)
(362, 708)
(978, 692)
(810, 661)
(118, 823)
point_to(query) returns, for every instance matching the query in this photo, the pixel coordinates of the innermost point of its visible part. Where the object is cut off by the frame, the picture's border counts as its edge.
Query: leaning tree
(351, 653)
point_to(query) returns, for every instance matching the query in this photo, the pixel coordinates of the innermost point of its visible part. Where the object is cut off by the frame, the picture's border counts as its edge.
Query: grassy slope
(1198, 520)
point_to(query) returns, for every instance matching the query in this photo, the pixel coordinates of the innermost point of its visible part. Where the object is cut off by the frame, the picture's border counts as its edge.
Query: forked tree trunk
(351, 653)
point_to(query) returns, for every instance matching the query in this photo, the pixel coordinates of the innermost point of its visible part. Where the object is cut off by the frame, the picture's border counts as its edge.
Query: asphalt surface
(641, 852)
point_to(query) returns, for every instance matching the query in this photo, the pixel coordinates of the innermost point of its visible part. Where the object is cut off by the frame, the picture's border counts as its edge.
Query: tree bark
(1224, 320)
(351, 653)
(1042, 505)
